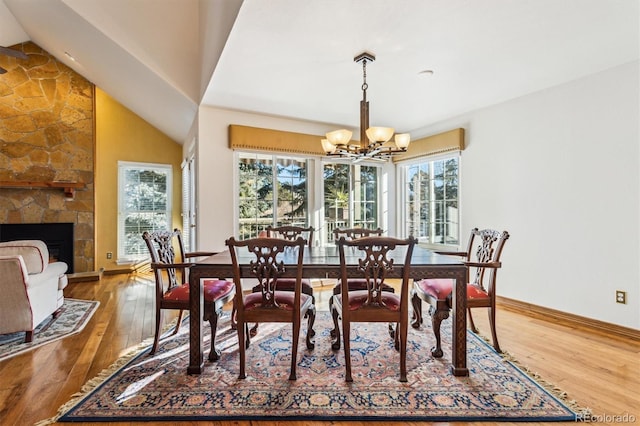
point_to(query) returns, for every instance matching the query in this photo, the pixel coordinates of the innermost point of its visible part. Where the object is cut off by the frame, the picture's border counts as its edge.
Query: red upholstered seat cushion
(441, 288)
(288, 284)
(213, 290)
(284, 299)
(357, 299)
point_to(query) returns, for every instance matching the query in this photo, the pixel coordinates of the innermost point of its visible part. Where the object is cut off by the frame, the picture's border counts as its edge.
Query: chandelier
(374, 141)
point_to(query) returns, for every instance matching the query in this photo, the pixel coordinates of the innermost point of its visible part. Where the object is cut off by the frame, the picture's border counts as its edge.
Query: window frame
(327, 237)
(274, 157)
(401, 185)
(123, 167)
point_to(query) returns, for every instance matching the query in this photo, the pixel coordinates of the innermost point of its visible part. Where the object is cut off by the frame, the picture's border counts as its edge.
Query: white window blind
(144, 204)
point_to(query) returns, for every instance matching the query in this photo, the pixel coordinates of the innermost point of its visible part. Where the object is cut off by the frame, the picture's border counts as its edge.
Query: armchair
(481, 292)
(32, 287)
(172, 284)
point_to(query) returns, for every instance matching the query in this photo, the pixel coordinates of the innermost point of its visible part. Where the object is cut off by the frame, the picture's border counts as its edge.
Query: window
(144, 204)
(430, 198)
(272, 191)
(350, 197)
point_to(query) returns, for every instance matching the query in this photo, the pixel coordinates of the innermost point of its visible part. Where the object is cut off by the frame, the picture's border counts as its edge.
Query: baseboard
(571, 319)
(129, 268)
(85, 276)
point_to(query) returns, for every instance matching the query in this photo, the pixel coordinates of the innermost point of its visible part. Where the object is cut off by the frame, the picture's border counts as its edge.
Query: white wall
(558, 169)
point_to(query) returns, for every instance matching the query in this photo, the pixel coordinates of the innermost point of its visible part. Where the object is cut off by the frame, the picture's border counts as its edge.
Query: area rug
(157, 388)
(74, 315)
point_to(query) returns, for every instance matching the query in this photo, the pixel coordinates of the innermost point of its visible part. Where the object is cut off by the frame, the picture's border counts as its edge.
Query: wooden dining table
(324, 262)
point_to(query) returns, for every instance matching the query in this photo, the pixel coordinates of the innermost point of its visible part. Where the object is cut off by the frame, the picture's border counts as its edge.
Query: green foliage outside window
(272, 191)
(432, 201)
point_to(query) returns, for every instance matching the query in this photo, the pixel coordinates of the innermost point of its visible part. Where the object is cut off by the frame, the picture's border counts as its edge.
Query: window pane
(350, 197)
(431, 194)
(292, 192)
(336, 197)
(144, 205)
(255, 194)
(272, 191)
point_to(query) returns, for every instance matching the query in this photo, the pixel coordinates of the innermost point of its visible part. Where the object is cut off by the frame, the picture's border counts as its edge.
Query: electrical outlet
(109, 255)
(621, 297)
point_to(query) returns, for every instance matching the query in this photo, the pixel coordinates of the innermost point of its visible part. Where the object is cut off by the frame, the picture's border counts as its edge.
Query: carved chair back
(374, 264)
(267, 266)
(354, 233)
(483, 254)
(291, 232)
(162, 249)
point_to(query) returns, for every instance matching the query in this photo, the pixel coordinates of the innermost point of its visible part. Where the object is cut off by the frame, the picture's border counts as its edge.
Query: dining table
(324, 262)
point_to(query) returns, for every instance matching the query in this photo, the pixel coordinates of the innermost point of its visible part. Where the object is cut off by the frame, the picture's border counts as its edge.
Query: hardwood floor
(597, 371)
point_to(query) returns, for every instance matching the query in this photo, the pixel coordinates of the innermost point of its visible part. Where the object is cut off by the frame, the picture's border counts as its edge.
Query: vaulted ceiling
(294, 58)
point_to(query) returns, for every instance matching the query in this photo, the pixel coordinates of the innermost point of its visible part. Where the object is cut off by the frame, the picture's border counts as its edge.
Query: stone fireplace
(47, 151)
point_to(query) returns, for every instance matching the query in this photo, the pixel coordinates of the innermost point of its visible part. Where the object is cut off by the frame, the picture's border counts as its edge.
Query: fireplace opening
(57, 236)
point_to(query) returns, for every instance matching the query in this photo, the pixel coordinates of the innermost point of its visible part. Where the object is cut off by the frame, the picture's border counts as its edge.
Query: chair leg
(254, 330)
(346, 336)
(175, 331)
(234, 324)
(395, 335)
(311, 319)
(294, 347)
(335, 333)
(241, 348)
(471, 323)
(436, 318)
(28, 338)
(494, 333)
(335, 330)
(416, 302)
(214, 353)
(154, 348)
(403, 329)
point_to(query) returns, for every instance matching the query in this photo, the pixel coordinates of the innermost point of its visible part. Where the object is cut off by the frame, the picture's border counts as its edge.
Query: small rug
(157, 388)
(74, 315)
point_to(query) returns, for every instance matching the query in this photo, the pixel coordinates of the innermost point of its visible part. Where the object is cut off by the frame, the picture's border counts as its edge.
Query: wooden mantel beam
(68, 187)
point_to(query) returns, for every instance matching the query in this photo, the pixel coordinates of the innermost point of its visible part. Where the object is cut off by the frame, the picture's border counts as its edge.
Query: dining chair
(270, 304)
(172, 283)
(291, 233)
(483, 260)
(376, 258)
(355, 283)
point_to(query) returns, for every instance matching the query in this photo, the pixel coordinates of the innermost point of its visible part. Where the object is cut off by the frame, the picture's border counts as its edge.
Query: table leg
(459, 324)
(196, 308)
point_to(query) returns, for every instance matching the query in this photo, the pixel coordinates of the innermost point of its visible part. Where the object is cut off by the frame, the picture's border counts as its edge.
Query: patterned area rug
(73, 317)
(156, 388)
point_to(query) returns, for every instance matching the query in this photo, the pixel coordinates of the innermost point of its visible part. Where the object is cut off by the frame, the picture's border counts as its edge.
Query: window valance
(254, 138)
(453, 140)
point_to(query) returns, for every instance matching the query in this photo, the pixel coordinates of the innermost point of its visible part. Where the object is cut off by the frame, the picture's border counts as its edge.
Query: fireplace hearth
(57, 236)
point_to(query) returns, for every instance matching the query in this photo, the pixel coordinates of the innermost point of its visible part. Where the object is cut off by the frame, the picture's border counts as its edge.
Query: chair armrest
(453, 253)
(200, 254)
(484, 264)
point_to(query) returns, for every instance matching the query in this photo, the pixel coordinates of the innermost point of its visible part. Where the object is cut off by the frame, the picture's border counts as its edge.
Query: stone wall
(47, 134)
